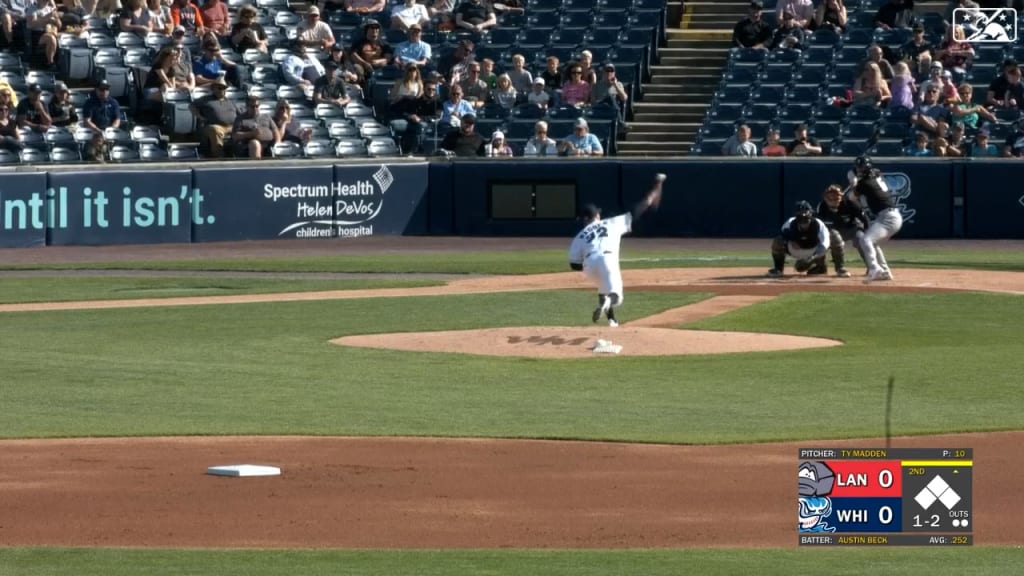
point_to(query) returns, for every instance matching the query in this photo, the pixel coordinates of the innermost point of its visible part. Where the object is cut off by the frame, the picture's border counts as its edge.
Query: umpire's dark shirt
(845, 217)
(747, 33)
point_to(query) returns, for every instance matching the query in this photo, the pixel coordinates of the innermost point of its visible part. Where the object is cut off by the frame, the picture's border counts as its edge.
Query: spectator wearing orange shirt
(186, 14)
(772, 147)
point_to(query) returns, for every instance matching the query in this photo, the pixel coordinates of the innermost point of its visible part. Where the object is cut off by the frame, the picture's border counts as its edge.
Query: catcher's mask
(803, 213)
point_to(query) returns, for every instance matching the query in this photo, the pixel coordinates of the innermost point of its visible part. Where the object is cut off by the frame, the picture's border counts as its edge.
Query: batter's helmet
(862, 165)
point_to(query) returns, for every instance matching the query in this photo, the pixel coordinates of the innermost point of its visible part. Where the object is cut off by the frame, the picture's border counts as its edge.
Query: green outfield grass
(537, 261)
(974, 561)
(269, 369)
(20, 290)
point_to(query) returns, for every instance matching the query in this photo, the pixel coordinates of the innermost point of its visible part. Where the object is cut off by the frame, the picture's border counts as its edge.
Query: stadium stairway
(682, 85)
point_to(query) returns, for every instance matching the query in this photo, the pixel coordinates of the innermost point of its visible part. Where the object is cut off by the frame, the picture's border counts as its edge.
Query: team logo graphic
(987, 25)
(383, 178)
(898, 184)
(816, 482)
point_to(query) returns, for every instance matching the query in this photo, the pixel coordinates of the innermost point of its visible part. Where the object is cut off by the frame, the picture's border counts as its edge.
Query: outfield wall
(139, 204)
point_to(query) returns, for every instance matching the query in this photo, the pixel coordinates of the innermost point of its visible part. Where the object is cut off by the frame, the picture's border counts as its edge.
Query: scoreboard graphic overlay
(885, 497)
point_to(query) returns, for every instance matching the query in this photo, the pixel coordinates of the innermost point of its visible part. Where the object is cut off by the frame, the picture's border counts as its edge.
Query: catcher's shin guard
(838, 249)
(779, 253)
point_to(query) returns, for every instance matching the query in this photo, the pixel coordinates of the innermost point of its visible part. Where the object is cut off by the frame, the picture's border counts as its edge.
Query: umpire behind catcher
(803, 237)
(846, 222)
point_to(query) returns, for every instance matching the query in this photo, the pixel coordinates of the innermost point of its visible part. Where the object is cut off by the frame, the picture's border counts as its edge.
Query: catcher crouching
(804, 238)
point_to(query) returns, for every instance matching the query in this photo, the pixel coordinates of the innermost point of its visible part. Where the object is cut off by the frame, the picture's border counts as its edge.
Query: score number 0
(885, 481)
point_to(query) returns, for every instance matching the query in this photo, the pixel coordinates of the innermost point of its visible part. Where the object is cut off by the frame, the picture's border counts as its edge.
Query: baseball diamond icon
(939, 490)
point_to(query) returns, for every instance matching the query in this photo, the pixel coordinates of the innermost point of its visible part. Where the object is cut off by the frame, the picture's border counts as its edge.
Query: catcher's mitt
(802, 265)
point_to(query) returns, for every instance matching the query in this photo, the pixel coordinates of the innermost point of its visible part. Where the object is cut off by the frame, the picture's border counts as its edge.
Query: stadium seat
(57, 136)
(286, 149)
(718, 130)
(152, 152)
(898, 130)
(603, 35)
(769, 93)
(803, 94)
(732, 93)
(859, 130)
(819, 54)
(747, 55)
(786, 55)
(824, 37)
(826, 112)
(341, 129)
(761, 112)
(851, 147)
(864, 113)
(729, 112)
(352, 149)
(8, 157)
(777, 73)
(797, 112)
(811, 74)
(318, 148)
(123, 153)
(887, 148)
(65, 154)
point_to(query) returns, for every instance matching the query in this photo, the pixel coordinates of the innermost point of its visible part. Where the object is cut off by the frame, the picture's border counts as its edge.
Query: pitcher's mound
(578, 342)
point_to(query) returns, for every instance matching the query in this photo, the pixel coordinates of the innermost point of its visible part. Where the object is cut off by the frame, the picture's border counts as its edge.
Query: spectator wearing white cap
(540, 144)
(497, 146)
(537, 95)
(581, 142)
(407, 13)
(313, 31)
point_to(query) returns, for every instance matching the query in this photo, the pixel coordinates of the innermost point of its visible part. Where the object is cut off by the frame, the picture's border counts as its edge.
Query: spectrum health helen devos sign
(313, 201)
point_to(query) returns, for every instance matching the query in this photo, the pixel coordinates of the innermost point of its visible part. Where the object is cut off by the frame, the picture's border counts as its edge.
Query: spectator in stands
(412, 113)
(212, 66)
(918, 51)
(73, 14)
(954, 4)
(215, 116)
(414, 50)
(181, 73)
(870, 88)
(160, 16)
(586, 63)
(497, 146)
(443, 12)
(895, 14)
(801, 12)
(455, 66)
(956, 143)
(608, 90)
(551, 75)
(982, 148)
(253, 132)
(32, 112)
(407, 13)
(934, 79)
(540, 144)
(772, 147)
(10, 138)
(942, 127)
(347, 68)
(475, 90)
(788, 35)
(1014, 146)
(62, 110)
(185, 13)
(160, 77)
(929, 110)
(902, 87)
(1006, 90)
(408, 87)
(365, 6)
(464, 142)
(739, 144)
(288, 128)
(247, 34)
(371, 52)
(43, 21)
(505, 95)
(301, 69)
(955, 54)
(581, 142)
(877, 55)
(803, 144)
(831, 14)
(13, 14)
(921, 146)
(576, 90)
(474, 15)
(314, 32)
(752, 32)
(216, 19)
(947, 89)
(455, 108)
(99, 113)
(520, 76)
(105, 8)
(487, 73)
(940, 148)
(330, 88)
(538, 96)
(966, 111)
(135, 18)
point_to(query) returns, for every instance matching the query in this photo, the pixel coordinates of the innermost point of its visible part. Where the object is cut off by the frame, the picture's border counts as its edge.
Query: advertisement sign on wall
(24, 210)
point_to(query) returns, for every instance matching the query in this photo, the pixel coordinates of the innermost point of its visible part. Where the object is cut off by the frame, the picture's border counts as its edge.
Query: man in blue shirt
(212, 65)
(414, 50)
(99, 113)
(581, 142)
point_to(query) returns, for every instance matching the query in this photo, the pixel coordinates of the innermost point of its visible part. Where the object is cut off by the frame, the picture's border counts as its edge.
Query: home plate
(243, 470)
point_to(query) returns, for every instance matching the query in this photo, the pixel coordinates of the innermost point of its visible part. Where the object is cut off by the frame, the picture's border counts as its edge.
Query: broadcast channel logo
(987, 25)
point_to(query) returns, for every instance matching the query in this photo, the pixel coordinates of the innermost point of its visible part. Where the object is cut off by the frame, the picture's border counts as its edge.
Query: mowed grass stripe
(269, 369)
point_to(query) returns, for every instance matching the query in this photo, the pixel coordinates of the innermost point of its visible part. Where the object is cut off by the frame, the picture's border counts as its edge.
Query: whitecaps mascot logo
(816, 481)
(898, 184)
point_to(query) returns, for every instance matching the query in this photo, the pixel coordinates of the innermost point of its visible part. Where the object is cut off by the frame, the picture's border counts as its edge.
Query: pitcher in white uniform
(595, 250)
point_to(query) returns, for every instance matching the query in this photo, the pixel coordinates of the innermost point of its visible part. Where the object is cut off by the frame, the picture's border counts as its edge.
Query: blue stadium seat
(648, 4)
(982, 74)
(898, 130)
(718, 129)
(895, 37)
(824, 37)
(787, 128)
(611, 20)
(826, 112)
(747, 55)
(729, 112)
(844, 75)
(733, 93)
(862, 20)
(618, 5)
(503, 35)
(777, 73)
(818, 55)
(576, 19)
(864, 113)
(811, 74)
(802, 93)
(797, 112)
(638, 35)
(521, 128)
(851, 147)
(742, 73)
(648, 18)
(710, 148)
(769, 93)
(858, 129)
(543, 20)
(761, 112)
(988, 54)
(602, 35)
(786, 55)
(851, 54)
(570, 36)
(578, 5)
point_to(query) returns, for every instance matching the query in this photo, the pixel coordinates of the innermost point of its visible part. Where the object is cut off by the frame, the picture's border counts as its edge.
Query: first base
(243, 470)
